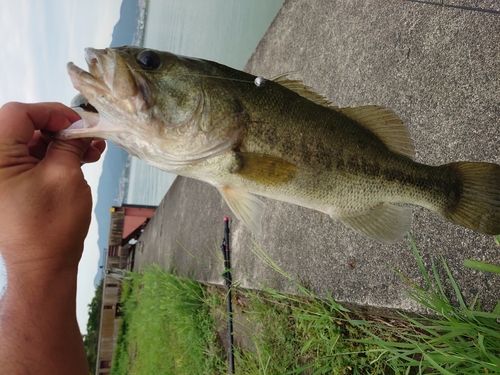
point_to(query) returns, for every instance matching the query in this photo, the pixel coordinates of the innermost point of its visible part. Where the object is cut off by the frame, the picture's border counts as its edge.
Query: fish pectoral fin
(385, 124)
(265, 169)
(247, 207)
(385, 223)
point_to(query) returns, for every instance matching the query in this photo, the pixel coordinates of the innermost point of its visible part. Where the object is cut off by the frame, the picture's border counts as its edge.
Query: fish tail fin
(476, 204)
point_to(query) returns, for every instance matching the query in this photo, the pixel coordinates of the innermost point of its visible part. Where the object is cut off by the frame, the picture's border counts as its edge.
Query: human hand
(45, 210)
(45, 201)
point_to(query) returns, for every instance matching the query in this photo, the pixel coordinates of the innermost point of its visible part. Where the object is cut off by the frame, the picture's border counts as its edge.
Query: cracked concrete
(438, 67)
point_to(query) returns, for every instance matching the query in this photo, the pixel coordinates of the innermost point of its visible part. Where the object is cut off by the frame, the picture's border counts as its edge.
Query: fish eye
(149, 60)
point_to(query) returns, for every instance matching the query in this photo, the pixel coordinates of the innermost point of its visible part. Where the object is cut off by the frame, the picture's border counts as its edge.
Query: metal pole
(228, 281)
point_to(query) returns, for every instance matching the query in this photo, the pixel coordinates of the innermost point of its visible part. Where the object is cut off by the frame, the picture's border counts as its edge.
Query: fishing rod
(228, 280)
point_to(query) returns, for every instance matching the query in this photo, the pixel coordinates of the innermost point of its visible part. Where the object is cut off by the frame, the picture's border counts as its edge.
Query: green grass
(166, 328)
(296, 335)
(170, 327)
(301, 333)
(461, 340)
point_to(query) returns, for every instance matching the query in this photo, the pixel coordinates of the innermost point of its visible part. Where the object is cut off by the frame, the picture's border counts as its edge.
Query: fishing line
(258, 81)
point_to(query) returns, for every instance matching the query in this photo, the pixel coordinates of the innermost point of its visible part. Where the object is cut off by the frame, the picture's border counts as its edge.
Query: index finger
(18, 121)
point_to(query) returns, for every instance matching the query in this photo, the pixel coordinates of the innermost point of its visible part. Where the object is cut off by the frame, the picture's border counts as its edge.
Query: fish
(249, 136)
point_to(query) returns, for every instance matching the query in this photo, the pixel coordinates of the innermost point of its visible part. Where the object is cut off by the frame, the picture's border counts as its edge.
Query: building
(127, 224)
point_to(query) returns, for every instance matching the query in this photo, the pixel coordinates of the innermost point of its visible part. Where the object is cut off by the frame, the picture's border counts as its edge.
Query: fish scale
(249, 136)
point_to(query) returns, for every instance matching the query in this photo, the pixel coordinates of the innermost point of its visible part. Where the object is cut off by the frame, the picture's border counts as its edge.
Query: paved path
(438, 67)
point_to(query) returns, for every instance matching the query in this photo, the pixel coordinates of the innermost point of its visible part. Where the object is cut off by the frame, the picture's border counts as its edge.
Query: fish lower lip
(86, 127)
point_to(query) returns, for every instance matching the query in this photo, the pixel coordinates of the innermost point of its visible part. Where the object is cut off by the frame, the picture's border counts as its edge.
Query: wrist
(40, 275)
(38, 314)
(40, 262)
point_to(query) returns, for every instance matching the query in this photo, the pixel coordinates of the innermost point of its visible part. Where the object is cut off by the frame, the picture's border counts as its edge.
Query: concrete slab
(435, 64)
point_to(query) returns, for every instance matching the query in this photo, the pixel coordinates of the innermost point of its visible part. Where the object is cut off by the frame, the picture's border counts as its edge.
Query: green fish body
(275, 138)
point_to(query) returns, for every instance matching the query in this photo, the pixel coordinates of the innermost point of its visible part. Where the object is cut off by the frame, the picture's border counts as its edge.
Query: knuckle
(12, 106)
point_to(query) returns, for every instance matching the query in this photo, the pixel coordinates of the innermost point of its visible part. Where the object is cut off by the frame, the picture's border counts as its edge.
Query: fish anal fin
(247, 207)
(385, 223)
(385, 124)
(265, 169)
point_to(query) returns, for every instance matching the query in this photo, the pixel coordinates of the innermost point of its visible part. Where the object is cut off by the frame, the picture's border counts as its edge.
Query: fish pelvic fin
(247, 207)
(385, 223)
(478, 205)
(385, 124)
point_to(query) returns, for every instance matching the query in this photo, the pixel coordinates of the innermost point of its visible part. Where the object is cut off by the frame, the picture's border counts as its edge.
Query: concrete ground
(437, 65)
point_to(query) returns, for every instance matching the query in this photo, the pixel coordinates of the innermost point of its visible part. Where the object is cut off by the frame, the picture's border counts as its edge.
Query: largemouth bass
(276, 138)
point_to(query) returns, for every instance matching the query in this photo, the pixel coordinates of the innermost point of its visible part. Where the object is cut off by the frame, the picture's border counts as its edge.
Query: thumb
(67, 152)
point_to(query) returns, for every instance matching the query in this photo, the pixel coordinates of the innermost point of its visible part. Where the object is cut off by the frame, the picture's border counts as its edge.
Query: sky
(38, 39)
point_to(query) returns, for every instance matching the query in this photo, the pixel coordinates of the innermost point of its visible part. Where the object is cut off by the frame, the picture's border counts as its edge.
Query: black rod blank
(228, 282)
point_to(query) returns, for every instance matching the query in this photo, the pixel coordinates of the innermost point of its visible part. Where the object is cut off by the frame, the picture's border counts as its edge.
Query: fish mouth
(98, 80)
(87, 107)
(106, 89)
(108, 72)
(81, 104)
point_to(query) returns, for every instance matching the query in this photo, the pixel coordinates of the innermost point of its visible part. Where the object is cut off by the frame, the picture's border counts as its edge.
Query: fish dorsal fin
(247, 207)
(385, 124)
(305, 91)
(386, 223)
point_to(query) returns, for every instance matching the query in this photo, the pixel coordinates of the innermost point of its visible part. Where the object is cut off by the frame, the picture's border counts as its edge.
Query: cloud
(38, 39)
(41, 37)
